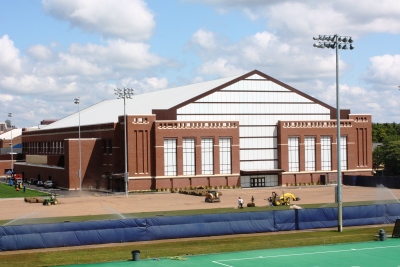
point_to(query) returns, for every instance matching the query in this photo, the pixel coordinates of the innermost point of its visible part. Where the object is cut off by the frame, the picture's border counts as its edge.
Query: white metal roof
(108, 110)
(7, 135)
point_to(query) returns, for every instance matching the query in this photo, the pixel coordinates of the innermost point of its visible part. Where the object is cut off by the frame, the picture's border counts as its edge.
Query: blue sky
(52, 51)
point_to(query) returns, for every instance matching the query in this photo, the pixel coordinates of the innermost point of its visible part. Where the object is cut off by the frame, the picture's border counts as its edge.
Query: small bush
(251, 204)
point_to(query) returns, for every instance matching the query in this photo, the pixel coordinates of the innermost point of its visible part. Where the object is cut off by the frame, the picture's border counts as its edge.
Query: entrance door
(257, 181)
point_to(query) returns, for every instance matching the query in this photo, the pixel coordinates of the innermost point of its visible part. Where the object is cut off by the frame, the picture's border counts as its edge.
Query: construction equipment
(213, 196)
(282, 200)
(52, 200)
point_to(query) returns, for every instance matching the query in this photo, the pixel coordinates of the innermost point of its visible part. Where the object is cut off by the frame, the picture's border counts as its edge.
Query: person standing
(240, 203)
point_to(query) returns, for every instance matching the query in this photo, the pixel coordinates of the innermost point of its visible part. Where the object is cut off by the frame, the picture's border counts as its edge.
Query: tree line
(387, 154)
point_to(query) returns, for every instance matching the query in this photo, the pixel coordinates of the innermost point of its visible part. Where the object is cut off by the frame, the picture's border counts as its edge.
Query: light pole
(125, 93)
(77, 101)
(336, 42)
(12, 155)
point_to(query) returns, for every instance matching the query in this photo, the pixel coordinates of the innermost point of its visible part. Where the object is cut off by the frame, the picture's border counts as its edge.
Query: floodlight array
(334, 41)
(125, 93)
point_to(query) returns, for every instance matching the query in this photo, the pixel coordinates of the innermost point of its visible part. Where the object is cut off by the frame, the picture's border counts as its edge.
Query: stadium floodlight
(125, 93)
(11, 147)
(337, 42)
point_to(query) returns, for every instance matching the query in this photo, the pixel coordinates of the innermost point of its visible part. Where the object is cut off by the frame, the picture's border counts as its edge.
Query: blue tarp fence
(21, 237)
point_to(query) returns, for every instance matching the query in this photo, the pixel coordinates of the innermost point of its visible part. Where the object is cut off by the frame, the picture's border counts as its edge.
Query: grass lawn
(194, 246)
(7, 191)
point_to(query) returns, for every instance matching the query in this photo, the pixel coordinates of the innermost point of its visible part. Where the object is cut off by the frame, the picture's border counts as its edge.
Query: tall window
(104, 146)
(293, 147)
(189, 163)
(207, 157)
(225, 165)
(309, 146)
(326, 162)
(110, 146)
(343, 152)
(169, 157)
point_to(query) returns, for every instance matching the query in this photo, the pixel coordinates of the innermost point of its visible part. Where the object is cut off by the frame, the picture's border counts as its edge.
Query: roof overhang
(261, 172)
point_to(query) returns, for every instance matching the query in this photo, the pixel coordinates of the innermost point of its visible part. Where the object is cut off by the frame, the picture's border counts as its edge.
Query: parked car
(39, 183)
(49, 184)
(32, 181)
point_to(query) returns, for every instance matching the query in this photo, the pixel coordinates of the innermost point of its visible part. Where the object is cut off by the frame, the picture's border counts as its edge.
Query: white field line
(220, 262)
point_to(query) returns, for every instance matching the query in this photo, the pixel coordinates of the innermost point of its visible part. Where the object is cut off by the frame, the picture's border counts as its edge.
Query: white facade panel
(255, 86)
(245, 97)
(255, 77)
(253, 155)
(245, 181)
(256, 108)
(258, 165)
(258, 143)
(258, 154)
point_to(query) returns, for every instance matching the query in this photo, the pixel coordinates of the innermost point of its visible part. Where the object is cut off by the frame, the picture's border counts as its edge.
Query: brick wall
(357, 129)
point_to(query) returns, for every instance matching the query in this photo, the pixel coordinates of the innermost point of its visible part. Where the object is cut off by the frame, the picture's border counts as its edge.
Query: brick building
(251, 130)
(8, 137)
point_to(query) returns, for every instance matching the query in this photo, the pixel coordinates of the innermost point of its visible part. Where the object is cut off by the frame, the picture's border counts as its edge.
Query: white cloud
(292, 18)
(118, 53)
(384, 70)
(126, 19)
(204, 38)
(266, 52)
(40, 52)
(157, 83)
(145, 85)
(73, 65)
(6, 98)
(10, 61)
(220, 67)
(30, 84)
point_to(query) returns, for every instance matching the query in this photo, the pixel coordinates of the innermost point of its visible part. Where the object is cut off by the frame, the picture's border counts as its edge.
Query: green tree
(389, 155)
(380, 131)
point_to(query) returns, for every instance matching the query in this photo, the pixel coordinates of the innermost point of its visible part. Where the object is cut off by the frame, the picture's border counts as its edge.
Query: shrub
(251, 204)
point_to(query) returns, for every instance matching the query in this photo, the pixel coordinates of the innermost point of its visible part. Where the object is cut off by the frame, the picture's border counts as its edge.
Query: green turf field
(364, 254)
(7, 191)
